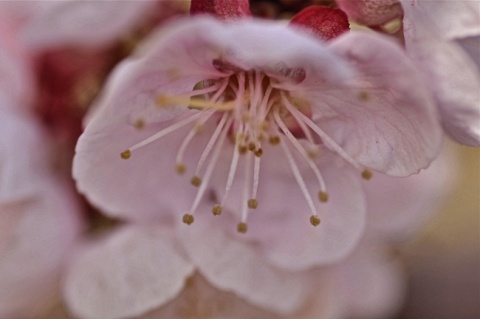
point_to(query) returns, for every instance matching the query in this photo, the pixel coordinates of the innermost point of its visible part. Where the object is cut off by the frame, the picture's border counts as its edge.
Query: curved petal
(280, 225)
(453, 76)
(371, 12)
(131, 272)
(42, 233)
(387, 120)
(201, 298)
(223, 9)
(398, 207)
(84, 23)
(233, 264)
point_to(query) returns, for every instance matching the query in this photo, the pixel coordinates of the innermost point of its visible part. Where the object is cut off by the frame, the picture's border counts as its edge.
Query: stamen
(274, 140)
(300, 181)
(211, 143)
(210, 167)
(323, 197)
(189, 137)
(193, 103)
(246, 183)
(231, 172)
(181, 168)
(324, 136)
(127, 153)
(253, 202)
(196, 181)
(301, 150)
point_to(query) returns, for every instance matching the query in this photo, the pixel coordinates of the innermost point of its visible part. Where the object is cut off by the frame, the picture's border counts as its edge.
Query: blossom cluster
(181, 160)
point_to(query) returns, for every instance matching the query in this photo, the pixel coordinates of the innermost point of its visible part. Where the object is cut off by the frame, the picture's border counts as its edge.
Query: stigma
(248, 111)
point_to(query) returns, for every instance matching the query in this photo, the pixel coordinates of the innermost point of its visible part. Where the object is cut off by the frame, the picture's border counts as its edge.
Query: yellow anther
(242, 149)
(363, 96)
(196, 103)
(367, 174)
(258, 152)
(313, 153)
(323, 197)
(314, 220)
(264, 125)
(199, 128)
(252, 147)
(217, 209)
(274, 140)
(261, 136)
(188, 219)
(242, 228)
(181, 168)
(139, 123)
(252, 203)
(126, 154)
(196, 181)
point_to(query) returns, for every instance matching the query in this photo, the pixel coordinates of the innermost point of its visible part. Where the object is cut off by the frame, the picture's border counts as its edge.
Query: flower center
(249, 111)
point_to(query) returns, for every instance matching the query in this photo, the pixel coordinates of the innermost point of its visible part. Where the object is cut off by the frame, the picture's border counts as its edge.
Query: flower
(443, 38)
(237, 66)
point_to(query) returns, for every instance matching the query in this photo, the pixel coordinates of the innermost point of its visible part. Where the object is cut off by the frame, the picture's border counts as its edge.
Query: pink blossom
(304, 89)
(443, 38)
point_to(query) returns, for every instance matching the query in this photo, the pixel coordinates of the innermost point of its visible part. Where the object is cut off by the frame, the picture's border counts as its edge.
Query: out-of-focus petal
(23, 154)
(128, 274)
(398, 207)
(371, 12)
(373, 285)
(388, 121)
(236, 265)
(83, 23)
(42, 233)
(453, 76)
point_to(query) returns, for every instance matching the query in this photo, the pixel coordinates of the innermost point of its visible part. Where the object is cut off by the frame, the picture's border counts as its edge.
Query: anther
(363, 96)
(274, 140)
(181, 168)
(188, 219)
(126, 154)
(314, 220)
(139, 124)
(258, 152)
(367, 174)
(252, 203)
(242, 149)
(242, 228)
(251, 147)
(323, 196)
(196, 181)
(217, 209)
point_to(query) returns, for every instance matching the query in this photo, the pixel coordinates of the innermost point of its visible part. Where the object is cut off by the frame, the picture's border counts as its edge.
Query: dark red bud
(223, 9)
(326, 23)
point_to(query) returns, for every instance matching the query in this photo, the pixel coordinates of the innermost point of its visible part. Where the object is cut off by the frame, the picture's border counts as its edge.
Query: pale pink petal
(449, 19)
(453, 76)
(371, 12)
(373, 283)
(234, 264)
(471, 45)
(398, 207)
(127, 274)
(23, 154)
(280, 225)
(42, 232)
(85, 23)
(200, 298)
(387, 120)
